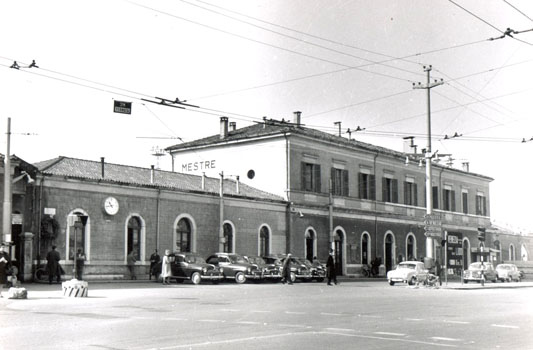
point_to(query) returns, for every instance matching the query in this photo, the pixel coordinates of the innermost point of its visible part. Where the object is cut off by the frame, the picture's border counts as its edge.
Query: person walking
(5, 262)
(330, 268)
(80, 263)
(131, 264)
(154, 260)
(165, 267)
(286, 270)
(52, 265)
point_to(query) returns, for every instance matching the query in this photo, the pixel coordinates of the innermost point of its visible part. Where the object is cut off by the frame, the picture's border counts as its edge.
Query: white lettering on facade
(195, 166)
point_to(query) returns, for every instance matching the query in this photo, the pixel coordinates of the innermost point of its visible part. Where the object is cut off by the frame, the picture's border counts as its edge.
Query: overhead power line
(508, 3)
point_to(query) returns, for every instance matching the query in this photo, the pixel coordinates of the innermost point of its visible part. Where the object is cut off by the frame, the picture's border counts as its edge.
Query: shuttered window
(410, 193)
(367, 186)
(310, 177)
(339, 182)
(390, 190)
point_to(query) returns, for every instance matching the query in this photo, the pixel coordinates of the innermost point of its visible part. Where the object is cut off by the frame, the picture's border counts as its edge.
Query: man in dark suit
(52, 265)
(330, 268)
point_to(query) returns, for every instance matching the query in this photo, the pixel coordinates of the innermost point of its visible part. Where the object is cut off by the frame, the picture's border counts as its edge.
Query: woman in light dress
(165, 267)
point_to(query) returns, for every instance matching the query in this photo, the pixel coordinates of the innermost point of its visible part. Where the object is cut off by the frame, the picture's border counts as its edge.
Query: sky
(353, 62)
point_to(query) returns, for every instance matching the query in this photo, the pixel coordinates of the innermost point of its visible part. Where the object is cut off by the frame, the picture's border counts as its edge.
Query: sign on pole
(433, 225)
(122, 107)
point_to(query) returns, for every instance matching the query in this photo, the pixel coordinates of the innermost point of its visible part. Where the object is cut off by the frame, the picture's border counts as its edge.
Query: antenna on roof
(158, 153)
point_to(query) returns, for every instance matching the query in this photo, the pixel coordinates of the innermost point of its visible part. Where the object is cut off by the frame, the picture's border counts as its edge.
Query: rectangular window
(410, 193)
(390, 190)
(310, 177)
(367, 186)
(465, 202)
(435, 197)
(481, 205)
(339, 182)
(448, 199)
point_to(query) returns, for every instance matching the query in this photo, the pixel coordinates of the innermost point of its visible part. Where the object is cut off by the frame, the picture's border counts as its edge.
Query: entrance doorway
(389, 248)
(339, 239)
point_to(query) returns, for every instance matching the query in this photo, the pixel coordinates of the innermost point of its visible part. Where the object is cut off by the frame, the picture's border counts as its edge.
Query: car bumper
(304, 276)
(212, 277)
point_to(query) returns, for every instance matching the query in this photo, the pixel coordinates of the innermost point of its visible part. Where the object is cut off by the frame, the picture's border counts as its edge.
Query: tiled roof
(130, 175)
(273, 127)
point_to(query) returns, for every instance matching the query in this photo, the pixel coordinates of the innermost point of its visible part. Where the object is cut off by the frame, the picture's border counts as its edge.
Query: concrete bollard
(75, 289)
(17, 293)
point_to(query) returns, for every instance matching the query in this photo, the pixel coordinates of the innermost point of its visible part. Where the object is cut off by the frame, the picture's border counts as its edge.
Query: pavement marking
(330, 314)
(341, 329)
(413, 319)
(504, 326)
(174, 319)
(389, 333)
(292, 325)
(295, 312)
(248, 322)
(403, 340)
(230, 310)
(457, 322)
(369, 316)
(212, 321)
(261, 311)
(446, 339)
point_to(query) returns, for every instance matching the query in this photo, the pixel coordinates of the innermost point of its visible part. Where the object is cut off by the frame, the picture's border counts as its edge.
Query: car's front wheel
(240, 277)
(196, 278)
(412, 281)
(391, 283)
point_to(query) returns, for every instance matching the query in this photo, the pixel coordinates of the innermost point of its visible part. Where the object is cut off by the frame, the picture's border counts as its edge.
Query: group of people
(331, 273)
(54, 268)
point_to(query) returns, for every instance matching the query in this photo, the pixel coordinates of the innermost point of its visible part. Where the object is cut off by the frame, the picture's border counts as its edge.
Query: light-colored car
(407, 272)
(508, 272)
(478, 271)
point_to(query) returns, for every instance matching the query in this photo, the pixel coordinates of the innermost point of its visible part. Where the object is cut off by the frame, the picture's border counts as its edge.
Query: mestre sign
(195, 166)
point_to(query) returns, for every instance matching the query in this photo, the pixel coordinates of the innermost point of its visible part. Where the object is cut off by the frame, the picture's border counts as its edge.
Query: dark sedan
(270, 271)
(190, 266)
(235, 267)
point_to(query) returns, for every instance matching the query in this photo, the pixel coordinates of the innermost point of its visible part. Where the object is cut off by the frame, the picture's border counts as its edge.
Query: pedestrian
(131, 260)
(165, 267)
(316, 263)
(80, 263)
(5, 263)
(286, 270)
(154, 260)
(53, 266)
(330, 268)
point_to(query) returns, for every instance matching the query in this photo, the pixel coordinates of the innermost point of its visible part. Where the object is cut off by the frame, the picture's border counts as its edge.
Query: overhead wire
(508, 3)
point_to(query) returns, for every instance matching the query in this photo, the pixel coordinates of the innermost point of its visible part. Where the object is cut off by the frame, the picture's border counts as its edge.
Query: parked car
(508, 272)
(299, 270)
(318, 270)
(235, 267)
(407, 272)
(270, 271)
(477, 270)
(190, 266)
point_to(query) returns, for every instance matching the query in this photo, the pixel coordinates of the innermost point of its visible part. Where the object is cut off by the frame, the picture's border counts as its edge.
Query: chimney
(203, 181)
(237, 183)
(103, 166)
(232, 126)
(466, 166)
(264, 122)
(409, 144)
(152, 174)
(223, 127)
(298, 117)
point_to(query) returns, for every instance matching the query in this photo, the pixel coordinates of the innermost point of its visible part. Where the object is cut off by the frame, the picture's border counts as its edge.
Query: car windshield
(407, 266)
(256, 260)
(478, 266)
(236, 259)
(504, 267)
(194, 259)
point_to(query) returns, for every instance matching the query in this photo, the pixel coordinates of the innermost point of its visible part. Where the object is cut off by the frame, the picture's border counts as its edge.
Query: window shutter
(316, 169)
(384, 189)
(361, 184)
(415, 195)
(395, 190)
(453, 200)
(345, 187)
(372, 180)
(334, 185)
(435, 197)
(406, 193)
(303, 176)
(484, 205)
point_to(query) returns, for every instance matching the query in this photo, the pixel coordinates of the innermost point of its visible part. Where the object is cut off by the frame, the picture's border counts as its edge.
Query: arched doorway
(410, 251)
(264, 241)
(512, 252)
(466, 254)
(183, 236)
(310, 239)
(338, 245)
(134, 237)
(228, 238)
(389, 252)
(365, 249)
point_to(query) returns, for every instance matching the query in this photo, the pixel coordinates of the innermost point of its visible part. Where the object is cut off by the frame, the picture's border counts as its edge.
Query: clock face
(111, 205)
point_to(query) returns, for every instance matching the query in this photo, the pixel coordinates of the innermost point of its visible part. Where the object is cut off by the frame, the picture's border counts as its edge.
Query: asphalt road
(352, 315)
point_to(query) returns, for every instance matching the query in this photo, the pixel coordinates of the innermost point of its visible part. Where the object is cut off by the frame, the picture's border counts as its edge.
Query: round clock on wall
(111, 205)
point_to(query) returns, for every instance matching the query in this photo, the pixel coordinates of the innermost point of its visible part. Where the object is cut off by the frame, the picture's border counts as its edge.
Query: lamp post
(7, 207)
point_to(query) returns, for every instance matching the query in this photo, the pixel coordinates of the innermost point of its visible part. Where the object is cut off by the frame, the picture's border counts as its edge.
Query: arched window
(512, 252)
(78, 233)
(228, 238)
(310, 238)
(183, 236)
(134, 237)
(389, 250)
(264, 241)
(365, 249)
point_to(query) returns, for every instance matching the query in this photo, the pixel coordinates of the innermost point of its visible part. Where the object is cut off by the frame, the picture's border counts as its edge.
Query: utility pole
(429, 189)
(221, 238)
(6, 219)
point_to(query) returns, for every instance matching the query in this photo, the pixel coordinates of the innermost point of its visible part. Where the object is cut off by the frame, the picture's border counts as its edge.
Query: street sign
(122, 107)
(433, 225)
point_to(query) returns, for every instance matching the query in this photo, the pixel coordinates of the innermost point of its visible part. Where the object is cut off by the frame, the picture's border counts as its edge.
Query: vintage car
(407, 272)
(508, 272)
(190, 266)
(318, 270)
(480, 272)
(235, 267)
(299, 270)
(270, 271)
